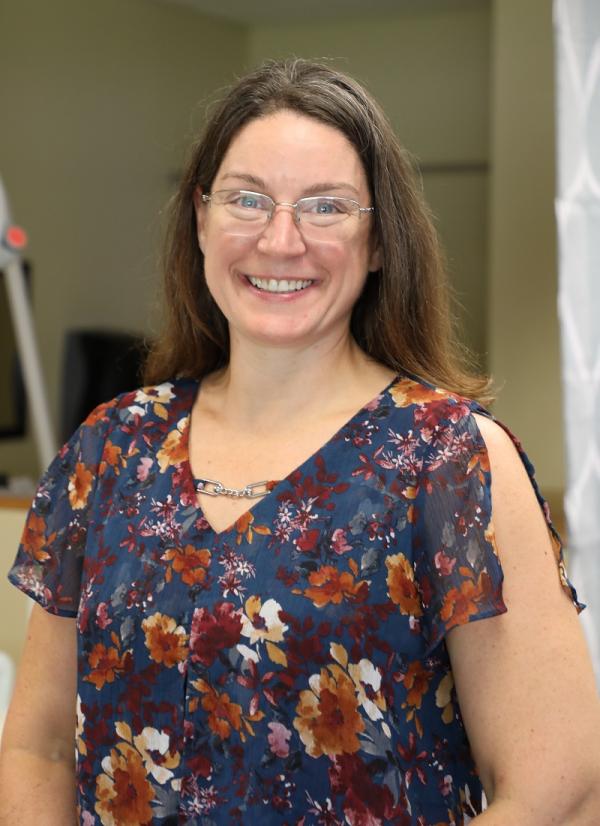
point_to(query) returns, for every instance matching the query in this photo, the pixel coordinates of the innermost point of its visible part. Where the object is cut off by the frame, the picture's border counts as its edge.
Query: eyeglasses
(248, 213)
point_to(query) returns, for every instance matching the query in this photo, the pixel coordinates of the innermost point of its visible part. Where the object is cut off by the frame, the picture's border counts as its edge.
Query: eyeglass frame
(206, 198)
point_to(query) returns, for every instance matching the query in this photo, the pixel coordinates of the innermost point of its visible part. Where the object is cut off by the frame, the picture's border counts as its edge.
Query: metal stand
(12, 243)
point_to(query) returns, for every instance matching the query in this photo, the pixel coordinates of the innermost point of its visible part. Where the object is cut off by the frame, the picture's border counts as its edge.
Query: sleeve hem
(39, 598)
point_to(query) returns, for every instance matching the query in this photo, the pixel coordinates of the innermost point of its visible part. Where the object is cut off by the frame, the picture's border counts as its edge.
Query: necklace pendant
(212, 487)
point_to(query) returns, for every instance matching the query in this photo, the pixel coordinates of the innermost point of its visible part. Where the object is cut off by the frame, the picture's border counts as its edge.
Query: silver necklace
(252, 491)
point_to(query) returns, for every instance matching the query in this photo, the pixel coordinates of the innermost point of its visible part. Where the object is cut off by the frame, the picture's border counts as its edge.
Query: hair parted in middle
(402, 318)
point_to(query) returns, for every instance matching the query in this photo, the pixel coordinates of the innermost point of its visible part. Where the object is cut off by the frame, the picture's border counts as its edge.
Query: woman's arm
(524, 678)
(37, 772)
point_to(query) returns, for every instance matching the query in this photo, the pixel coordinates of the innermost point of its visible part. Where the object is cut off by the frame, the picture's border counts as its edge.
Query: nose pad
(282, 233)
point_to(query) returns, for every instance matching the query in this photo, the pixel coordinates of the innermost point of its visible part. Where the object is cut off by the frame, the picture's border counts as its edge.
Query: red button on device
(16, 238)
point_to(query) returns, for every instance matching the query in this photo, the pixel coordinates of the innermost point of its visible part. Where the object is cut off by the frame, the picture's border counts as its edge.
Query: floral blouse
(291, 669)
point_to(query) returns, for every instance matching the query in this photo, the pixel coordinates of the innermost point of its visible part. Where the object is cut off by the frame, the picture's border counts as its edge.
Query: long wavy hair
(403, 318)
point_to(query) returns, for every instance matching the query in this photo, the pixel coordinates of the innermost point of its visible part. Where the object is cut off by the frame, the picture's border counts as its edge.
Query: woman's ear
(200, 208)
(376, 259)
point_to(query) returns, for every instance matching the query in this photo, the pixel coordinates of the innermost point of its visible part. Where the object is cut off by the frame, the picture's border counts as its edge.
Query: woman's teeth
(273, 285)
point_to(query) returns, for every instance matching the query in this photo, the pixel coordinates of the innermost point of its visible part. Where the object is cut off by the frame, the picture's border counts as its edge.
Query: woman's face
(288, 156)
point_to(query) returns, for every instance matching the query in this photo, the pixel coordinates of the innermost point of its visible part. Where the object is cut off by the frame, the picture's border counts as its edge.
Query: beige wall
(430, 71)
(14, 605)
(99, 98)
(523, 327)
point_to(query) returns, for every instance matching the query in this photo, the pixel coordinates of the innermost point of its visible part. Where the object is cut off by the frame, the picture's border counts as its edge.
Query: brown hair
(402, 318)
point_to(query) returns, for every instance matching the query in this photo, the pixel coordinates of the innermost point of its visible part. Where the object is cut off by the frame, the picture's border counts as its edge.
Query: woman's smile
(279, 286)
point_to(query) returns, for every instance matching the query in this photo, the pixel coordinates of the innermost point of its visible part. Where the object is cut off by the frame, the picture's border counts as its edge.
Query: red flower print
(212, 633)
(365, 802)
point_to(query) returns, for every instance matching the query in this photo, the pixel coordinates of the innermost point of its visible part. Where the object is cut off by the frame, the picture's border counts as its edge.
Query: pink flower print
(278, 739)
(144, 468)
(102, 617)
(445, 785)
(444, 564)
(339, 543)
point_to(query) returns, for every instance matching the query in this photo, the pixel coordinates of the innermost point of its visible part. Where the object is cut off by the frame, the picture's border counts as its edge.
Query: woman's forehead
(288, 147)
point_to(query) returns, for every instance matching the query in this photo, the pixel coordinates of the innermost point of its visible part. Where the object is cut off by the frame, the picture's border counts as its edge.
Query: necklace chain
(211, 487)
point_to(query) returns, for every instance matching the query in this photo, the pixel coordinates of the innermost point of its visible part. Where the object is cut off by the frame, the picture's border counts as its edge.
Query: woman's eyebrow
(314, 189)
(249, 179)
(328, 186)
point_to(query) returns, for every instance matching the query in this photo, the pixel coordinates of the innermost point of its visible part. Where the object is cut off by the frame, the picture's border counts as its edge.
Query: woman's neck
(261, 386)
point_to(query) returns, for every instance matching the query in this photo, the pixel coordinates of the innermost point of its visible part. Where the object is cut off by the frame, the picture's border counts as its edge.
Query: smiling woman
(272, 586)
(250, 259)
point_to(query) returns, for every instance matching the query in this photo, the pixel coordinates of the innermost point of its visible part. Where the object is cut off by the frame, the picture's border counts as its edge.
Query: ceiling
(310, 11)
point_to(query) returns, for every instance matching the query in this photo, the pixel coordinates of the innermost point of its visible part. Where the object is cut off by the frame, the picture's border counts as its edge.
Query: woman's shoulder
(433, 406)
(444, 417)
(166, 401)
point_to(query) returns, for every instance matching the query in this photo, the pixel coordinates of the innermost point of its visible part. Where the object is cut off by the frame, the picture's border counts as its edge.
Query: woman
(265, 571)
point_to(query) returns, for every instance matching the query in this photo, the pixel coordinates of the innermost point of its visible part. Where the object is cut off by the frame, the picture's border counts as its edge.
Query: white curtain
(577, 32)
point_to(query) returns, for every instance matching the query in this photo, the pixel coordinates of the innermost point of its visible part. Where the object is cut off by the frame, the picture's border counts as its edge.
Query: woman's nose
(282, 234)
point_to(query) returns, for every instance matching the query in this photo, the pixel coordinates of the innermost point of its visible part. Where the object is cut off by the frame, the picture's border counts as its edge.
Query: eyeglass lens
(247, 213)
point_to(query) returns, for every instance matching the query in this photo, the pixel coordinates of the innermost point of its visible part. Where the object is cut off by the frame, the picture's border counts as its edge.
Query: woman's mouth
(279, 285)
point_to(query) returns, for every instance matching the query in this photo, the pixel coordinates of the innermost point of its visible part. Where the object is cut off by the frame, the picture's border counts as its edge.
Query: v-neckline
(189, 480)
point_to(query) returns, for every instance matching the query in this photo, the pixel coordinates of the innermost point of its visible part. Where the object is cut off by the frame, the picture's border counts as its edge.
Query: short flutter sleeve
(456, 562)
(49, 560)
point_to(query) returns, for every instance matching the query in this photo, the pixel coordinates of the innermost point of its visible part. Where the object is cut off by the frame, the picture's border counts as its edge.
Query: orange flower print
(330, 585)
(406, 392)
(165, 640)
(111, 457)
(416, 682)
(328, 720)
(123, 791)
(223, 715)
(106, 665)
(34, 538)
(99, 413)
(402, 587)
(190, 562)
(460, 603)
(80, 485)
(246, 528)
(174, 448)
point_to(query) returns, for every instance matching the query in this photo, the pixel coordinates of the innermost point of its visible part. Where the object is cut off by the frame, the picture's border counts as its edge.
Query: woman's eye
(326, 207)
(249, 202)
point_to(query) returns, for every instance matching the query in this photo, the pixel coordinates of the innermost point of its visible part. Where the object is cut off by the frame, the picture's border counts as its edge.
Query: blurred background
(100, 100)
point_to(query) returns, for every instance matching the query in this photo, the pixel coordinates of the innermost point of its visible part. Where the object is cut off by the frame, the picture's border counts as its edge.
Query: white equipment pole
(12, 243)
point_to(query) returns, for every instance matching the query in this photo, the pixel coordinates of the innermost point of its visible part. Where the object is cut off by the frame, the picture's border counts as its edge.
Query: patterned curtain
(577, 31)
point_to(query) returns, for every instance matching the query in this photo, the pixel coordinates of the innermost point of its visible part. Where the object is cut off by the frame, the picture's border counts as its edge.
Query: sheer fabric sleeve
(50, 557)
(457, 567)
(456, 560)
